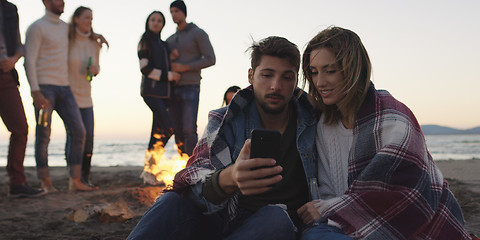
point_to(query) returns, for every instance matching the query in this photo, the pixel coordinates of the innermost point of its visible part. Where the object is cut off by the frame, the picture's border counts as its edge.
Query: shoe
(25, 191)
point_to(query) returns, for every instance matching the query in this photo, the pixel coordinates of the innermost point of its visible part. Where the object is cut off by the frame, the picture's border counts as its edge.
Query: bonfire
(159, 169)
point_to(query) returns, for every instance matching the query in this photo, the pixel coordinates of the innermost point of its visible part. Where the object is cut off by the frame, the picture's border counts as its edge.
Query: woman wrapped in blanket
(377, 179)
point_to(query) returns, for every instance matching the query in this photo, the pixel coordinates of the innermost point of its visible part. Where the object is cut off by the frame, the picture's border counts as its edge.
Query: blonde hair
(354, 65)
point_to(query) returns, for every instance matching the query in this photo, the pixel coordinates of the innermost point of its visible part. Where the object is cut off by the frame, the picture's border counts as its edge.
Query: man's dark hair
(180, 5)
(276, 47)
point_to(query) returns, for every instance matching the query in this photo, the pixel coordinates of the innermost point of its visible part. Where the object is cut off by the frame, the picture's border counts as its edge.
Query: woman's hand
(102, 40)
(94, 70)
(308, 212)
(311, 211)
(174, 76)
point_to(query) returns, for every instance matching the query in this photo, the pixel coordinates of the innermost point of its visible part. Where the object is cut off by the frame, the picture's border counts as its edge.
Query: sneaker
(25, 191)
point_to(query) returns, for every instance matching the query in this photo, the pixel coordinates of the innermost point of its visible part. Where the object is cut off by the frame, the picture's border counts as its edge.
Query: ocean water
(132, 152)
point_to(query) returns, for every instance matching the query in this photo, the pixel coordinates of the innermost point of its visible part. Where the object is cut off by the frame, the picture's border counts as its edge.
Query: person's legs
(42, 137)
(175, 217)
(13, 115)
(324, 231)
(175, 109)
(190, 99)
(67, 109)
(269, 222)
(69, 112)
(88, 123)
(155, 130)
(162, 126)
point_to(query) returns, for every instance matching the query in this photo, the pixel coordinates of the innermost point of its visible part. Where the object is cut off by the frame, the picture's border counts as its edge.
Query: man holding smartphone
(223, 192)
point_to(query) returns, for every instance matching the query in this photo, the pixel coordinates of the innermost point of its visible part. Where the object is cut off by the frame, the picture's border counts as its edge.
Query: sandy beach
(113, 210)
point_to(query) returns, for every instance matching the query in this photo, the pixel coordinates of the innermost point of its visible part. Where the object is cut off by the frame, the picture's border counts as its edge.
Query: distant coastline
(441, 130)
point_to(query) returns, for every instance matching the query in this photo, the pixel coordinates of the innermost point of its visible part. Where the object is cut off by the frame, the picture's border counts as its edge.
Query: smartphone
(265, 144)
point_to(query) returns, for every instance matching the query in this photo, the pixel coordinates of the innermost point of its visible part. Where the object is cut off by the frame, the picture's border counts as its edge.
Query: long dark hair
(148, 36)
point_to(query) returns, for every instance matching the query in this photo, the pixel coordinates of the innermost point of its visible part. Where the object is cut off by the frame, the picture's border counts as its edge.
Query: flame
(158, 168)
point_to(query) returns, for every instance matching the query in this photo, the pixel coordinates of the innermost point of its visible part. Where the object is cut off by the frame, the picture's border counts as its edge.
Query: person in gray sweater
(191, 52)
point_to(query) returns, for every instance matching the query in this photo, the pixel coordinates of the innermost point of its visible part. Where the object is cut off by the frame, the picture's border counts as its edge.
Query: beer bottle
(42, 117)
(89, 74)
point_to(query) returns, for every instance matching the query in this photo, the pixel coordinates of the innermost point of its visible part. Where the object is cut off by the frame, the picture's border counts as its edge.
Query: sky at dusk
(425, 53)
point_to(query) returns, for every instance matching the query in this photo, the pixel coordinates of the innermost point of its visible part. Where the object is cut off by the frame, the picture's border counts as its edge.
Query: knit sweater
(333, 145)
(46, 52)
(81, 49)
(195, 50)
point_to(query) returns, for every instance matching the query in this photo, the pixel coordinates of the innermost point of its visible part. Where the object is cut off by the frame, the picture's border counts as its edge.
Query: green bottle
(89, 74)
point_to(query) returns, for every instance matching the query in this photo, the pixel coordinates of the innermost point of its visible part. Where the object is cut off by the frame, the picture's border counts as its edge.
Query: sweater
(80, 50)
(195, 49)
(333, 145)
(46, 52)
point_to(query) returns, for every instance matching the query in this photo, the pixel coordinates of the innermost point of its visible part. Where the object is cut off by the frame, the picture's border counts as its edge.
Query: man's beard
(58, 10)
(272, 111)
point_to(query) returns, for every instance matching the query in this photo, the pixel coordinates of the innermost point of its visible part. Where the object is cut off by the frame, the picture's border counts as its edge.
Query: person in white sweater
(46, 55)
(83, 64)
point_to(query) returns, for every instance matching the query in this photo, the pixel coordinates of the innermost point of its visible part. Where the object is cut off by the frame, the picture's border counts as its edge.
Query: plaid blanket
(395, 189)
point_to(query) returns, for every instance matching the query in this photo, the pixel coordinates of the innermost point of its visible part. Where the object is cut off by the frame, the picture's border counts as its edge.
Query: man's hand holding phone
(250, 176)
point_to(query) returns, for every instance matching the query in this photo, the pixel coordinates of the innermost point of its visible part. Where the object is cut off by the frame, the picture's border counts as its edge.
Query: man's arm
(207, 58)
(33, 42)
(8, 64)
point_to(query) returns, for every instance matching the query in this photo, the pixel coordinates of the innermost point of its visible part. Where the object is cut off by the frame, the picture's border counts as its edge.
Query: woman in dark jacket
(156, 79)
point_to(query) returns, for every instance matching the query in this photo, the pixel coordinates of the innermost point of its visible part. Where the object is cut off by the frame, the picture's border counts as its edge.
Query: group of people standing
(60, 61)
(171, 77)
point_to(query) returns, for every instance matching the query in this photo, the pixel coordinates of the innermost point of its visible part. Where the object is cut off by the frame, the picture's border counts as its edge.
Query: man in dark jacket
(11, 107)
(192, 51)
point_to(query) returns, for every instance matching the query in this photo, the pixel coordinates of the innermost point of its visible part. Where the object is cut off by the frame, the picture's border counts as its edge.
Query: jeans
(13, 115)
(88, 123)
(162, 123)
(325, 232)
(184, 109)
(62, 101)
(175, 217)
